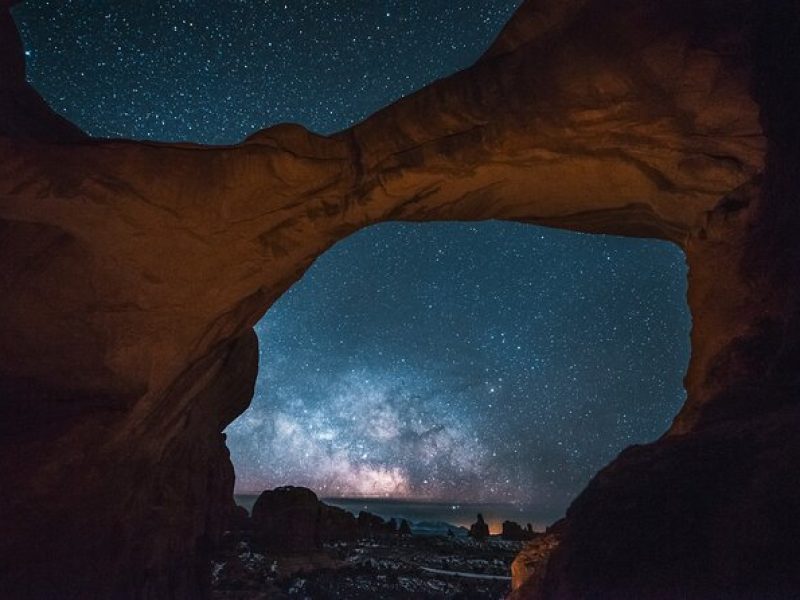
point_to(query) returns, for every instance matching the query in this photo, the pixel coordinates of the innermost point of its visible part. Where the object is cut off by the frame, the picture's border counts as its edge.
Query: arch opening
(490, 364)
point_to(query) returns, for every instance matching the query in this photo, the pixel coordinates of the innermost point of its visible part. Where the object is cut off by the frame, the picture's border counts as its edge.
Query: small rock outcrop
(479, 530)
(370, 525)
(293, 520)
(405, 528)
(288, 520)
(337, 524)
(514, 532)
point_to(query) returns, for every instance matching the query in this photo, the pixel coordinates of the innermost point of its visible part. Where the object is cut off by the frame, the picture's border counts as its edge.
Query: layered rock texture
(131, 275)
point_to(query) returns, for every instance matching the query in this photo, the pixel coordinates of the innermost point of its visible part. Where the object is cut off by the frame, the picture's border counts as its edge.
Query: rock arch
(132, 274)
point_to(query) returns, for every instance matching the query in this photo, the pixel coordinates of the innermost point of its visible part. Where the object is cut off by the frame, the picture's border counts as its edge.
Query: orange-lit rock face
(132, 274)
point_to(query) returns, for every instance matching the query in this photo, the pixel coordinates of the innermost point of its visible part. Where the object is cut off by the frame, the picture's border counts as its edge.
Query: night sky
(470, 362)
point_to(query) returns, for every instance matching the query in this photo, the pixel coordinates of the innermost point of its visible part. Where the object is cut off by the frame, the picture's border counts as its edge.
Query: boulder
(288, 520)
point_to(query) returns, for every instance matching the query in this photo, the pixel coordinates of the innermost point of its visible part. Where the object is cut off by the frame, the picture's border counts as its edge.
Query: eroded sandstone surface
(131, 275)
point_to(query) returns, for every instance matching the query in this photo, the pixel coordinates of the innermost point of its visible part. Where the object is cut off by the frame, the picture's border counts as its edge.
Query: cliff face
(131, 275)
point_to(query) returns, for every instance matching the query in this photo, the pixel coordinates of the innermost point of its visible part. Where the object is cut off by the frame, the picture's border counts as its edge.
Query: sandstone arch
(132, 274)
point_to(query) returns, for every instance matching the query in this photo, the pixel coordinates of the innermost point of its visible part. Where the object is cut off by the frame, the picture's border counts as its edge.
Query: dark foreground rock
(288, 520)
(293, 520)
(694, 510)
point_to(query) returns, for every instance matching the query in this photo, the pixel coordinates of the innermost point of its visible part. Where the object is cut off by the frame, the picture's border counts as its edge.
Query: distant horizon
(455, 514)
(400, 499)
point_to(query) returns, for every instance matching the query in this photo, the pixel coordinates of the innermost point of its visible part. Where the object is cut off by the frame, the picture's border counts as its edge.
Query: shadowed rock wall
(131, 275)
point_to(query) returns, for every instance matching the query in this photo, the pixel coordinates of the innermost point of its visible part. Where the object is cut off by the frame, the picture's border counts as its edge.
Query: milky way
(471, 362)
(489, 361)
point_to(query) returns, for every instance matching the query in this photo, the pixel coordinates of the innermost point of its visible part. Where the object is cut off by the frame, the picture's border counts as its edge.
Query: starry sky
(483, 362)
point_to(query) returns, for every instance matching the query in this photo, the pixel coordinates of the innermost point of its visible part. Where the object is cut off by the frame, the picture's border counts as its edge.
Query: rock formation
(292, 520)
(405, 528)
(479, 530)
(131, 275)
(288, 520)
(513, 532)
(338, 525)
